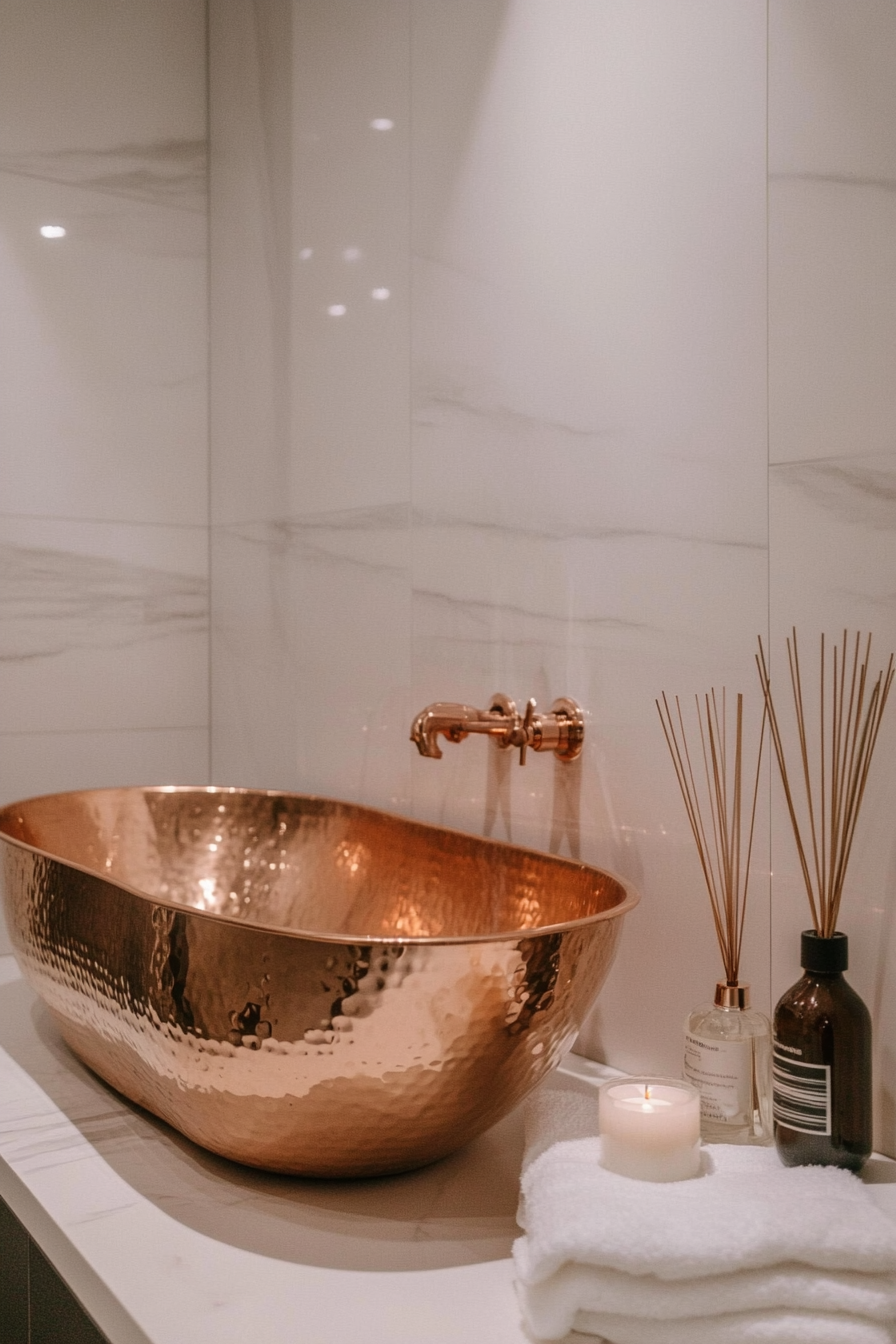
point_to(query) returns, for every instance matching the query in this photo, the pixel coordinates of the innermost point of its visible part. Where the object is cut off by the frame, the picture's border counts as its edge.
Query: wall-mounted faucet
(561, 730)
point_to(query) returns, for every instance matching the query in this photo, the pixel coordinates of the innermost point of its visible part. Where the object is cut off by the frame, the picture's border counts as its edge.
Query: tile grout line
(208, 386)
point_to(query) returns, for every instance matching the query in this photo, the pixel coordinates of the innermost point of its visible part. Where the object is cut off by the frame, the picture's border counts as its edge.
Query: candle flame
(646, 1091)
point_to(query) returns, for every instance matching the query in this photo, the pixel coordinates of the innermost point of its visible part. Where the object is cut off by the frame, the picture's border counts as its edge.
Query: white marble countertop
(163, 1242)
(167, 1244)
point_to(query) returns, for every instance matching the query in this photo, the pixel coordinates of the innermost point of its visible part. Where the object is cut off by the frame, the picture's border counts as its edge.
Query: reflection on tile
(311, 655)
(627, 634)
(582, 509)
(310, 243)
(351, 209)
(103, 626)
(103, 340)
(251, 256)
(589, 438)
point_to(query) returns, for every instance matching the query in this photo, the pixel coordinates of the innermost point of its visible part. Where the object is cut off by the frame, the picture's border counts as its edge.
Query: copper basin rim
(302, 984)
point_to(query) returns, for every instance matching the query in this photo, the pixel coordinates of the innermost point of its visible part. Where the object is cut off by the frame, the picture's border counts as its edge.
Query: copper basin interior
(301, 984)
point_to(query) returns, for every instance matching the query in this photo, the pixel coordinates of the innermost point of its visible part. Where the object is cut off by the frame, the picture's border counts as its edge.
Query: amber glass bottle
(822, 1063)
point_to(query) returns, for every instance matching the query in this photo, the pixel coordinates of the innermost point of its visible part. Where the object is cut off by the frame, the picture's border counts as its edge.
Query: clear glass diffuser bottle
(728, 1056)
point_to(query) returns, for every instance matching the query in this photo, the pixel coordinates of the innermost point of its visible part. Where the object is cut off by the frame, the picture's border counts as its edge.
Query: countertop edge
(100, 1303)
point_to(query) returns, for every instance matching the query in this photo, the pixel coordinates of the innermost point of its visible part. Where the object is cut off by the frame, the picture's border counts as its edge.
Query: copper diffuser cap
(732, 996)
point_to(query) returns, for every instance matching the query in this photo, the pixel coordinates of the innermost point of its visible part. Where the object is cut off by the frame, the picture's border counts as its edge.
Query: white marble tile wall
(589, 435)
(310, 397)
(537, 463)
(832, 429)
(103, 407)
(535, 367)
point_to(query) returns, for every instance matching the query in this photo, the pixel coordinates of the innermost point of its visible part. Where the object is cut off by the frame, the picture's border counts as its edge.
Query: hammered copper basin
(302, 984)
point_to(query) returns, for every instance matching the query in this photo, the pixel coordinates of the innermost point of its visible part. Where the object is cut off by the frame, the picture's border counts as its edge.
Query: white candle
(650, 1128)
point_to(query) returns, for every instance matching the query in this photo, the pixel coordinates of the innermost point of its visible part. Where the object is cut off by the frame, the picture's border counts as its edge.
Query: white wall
(626, 407)
(832, 429)
(103, 402)
(540, 465)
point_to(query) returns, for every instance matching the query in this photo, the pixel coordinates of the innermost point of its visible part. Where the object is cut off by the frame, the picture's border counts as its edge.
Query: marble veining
(166, 172)
(856, 491)
(374, 537)
(542, 597)
(511, 418)
(551, 532)
(479, 461)
(549, 626)
(53, 601)
(836, 179)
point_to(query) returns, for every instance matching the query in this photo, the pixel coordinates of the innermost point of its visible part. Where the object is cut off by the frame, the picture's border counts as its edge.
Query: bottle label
(801, 1094)
(723, 1072)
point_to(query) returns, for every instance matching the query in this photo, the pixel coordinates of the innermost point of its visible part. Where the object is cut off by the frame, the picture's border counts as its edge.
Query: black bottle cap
(826, 955)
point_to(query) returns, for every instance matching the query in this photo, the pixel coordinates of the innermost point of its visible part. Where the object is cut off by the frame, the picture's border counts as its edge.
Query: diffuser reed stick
(849, 718)
(721, 825)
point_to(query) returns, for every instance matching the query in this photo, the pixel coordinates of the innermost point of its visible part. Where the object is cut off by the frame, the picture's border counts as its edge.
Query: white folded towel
(761, 1327)
(795, 1287)
(749, 1251)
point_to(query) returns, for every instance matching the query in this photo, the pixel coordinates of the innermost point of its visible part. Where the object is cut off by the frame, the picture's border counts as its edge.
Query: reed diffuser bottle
(727, 1055)
(822, 1063)
(727, 1044)
(822, 1029)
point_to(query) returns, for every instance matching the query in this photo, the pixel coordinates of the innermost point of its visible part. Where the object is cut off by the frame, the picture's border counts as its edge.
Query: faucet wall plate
(571, 711)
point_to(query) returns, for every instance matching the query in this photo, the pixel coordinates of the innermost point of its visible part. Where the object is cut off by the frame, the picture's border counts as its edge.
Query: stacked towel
(750, 1252)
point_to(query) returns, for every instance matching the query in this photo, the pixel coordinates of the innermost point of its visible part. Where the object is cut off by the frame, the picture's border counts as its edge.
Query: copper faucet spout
(455, 722)
(561, 730)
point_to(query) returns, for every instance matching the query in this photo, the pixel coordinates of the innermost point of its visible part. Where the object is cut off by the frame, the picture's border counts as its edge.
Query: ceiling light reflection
(52, 231)
(337, 310)
(380, 293)
(381, 124)
(306, 254)
(351, 254)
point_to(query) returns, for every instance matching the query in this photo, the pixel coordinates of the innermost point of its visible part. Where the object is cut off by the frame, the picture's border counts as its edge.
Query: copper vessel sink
(300, 984)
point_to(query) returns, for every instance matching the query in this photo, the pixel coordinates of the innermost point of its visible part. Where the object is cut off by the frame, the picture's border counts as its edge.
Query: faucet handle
(526, 729)
(561, 730)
